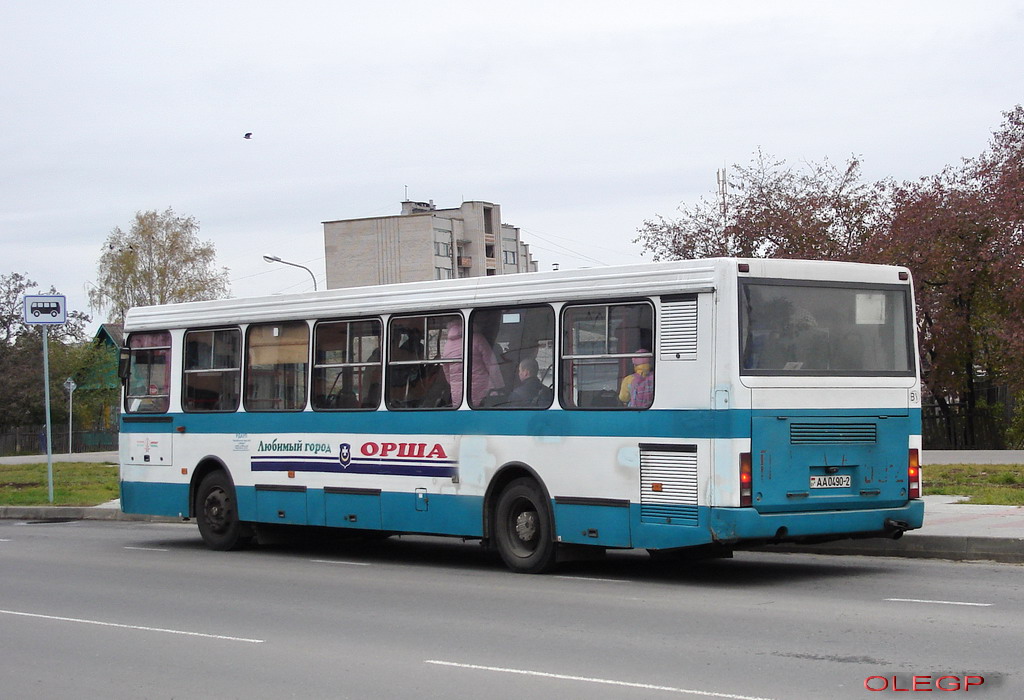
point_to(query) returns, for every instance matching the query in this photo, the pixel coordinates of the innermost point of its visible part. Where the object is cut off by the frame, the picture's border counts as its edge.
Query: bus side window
(424, 365)
(511, 360)
(277, 357)
(147, 388)
(212, 374)
(607, 356)
(346, 365)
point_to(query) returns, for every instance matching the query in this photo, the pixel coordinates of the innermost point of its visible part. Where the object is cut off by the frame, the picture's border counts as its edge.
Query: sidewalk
(951, 530)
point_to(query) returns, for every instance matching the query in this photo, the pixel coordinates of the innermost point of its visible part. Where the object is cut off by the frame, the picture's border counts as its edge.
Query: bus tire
(523, 528)
(217, 514)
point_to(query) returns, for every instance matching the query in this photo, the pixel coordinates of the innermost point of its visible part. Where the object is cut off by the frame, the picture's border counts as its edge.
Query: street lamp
(274, 258)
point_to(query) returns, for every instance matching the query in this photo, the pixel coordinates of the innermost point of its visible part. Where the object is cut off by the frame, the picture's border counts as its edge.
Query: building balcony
(465, 261)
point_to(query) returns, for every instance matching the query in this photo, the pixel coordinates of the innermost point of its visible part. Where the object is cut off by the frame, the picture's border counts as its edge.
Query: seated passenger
(530, 390)
(637, 390)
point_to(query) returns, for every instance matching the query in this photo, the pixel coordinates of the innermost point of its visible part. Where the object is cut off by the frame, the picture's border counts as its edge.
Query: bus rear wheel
(217, 514)
(523, 528)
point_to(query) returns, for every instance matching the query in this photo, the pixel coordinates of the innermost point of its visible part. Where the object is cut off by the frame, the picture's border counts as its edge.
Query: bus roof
(675, 277)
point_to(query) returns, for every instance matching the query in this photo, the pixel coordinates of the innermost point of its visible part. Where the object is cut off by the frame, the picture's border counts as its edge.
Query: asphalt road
(142, 610)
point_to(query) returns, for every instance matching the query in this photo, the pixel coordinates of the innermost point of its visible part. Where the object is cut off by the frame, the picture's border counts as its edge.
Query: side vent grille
(679, 329)
(668, 484)
(833, 433)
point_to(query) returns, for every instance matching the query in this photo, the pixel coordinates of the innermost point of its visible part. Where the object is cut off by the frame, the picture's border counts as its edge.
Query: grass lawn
(991, 484)
(89, 484)
(74, 484)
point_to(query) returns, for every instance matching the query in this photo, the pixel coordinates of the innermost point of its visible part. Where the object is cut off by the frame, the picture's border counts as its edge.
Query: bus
(685, 407)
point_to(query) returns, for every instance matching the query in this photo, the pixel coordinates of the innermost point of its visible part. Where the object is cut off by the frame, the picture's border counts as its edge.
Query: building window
(443, 249)
(212, 370)
(510, 257)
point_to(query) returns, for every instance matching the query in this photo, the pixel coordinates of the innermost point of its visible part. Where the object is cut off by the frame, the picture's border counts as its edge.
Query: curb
(68, 513)
(1005, 550)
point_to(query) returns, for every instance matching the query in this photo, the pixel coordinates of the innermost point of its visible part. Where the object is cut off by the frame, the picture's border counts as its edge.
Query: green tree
(21, 365)
(158, 260)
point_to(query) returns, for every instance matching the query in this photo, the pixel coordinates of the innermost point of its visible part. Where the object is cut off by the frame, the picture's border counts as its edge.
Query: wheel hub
(216, 510)
(526, 526)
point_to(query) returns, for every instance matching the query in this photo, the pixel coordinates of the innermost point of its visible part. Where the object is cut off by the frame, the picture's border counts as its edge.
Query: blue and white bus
(681, 407)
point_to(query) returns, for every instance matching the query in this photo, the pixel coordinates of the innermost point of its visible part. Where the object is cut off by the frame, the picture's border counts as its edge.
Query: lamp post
(274, 258)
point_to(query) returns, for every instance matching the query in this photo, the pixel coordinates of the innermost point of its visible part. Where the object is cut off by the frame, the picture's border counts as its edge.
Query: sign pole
(46, 310)
(46, 384)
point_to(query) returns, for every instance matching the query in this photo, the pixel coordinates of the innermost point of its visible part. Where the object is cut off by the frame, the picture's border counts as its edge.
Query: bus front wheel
(523, 528)
(217, 514)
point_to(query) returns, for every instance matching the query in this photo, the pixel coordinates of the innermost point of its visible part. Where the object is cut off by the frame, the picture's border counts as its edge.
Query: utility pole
(723, 193)
(70, 386)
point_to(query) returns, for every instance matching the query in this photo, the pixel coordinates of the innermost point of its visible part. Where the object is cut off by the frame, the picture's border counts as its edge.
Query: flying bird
(248, 134)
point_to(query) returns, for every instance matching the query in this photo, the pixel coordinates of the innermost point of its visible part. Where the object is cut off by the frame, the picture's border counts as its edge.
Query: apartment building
(424, 243)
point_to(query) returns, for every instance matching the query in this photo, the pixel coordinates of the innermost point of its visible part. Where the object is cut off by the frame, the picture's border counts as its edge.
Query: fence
(32, 440)
(986, 429)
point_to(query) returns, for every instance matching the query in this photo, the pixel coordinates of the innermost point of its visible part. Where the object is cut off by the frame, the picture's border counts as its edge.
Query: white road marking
(602, 681)
(130, 627)
(938, 602)
(147, 549)
(346, 563)
(592, 578)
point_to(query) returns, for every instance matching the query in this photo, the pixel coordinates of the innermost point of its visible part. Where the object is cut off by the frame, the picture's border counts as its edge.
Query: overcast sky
(580, 119)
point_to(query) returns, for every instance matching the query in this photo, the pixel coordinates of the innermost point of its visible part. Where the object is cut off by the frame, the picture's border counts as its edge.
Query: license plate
(831, 481)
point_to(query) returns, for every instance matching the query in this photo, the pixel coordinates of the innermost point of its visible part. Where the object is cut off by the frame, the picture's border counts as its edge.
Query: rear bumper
(734, 525)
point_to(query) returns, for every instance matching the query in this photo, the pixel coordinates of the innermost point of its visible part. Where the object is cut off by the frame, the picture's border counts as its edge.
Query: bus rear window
(149, 373)
(820, 329)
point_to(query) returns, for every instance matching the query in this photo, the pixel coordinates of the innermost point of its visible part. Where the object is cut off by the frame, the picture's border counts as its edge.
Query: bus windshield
(821, 329)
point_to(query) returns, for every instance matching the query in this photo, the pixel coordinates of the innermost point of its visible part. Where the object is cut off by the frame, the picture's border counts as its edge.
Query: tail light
(746, 480)
(914, 474)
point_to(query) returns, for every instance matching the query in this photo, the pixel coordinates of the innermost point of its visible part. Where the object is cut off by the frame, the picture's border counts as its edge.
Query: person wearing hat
(637, 390)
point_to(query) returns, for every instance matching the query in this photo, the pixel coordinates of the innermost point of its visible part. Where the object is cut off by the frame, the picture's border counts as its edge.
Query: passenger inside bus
(637, 389)
(531, 391)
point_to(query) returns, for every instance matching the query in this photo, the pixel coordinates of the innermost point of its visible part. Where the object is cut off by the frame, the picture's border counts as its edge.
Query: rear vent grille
(668, 484)
(833, 433)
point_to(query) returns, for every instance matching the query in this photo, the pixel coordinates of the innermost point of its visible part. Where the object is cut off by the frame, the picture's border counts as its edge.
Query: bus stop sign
(46, 310)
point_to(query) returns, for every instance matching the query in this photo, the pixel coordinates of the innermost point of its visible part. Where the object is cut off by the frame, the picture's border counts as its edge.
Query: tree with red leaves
(772, 210)
(961, 232)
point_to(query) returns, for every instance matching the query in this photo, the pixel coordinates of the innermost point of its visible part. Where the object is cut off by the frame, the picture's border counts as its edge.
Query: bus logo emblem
(345, 454)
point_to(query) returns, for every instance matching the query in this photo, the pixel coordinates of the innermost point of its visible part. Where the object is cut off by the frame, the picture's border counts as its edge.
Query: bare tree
(776, 211)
